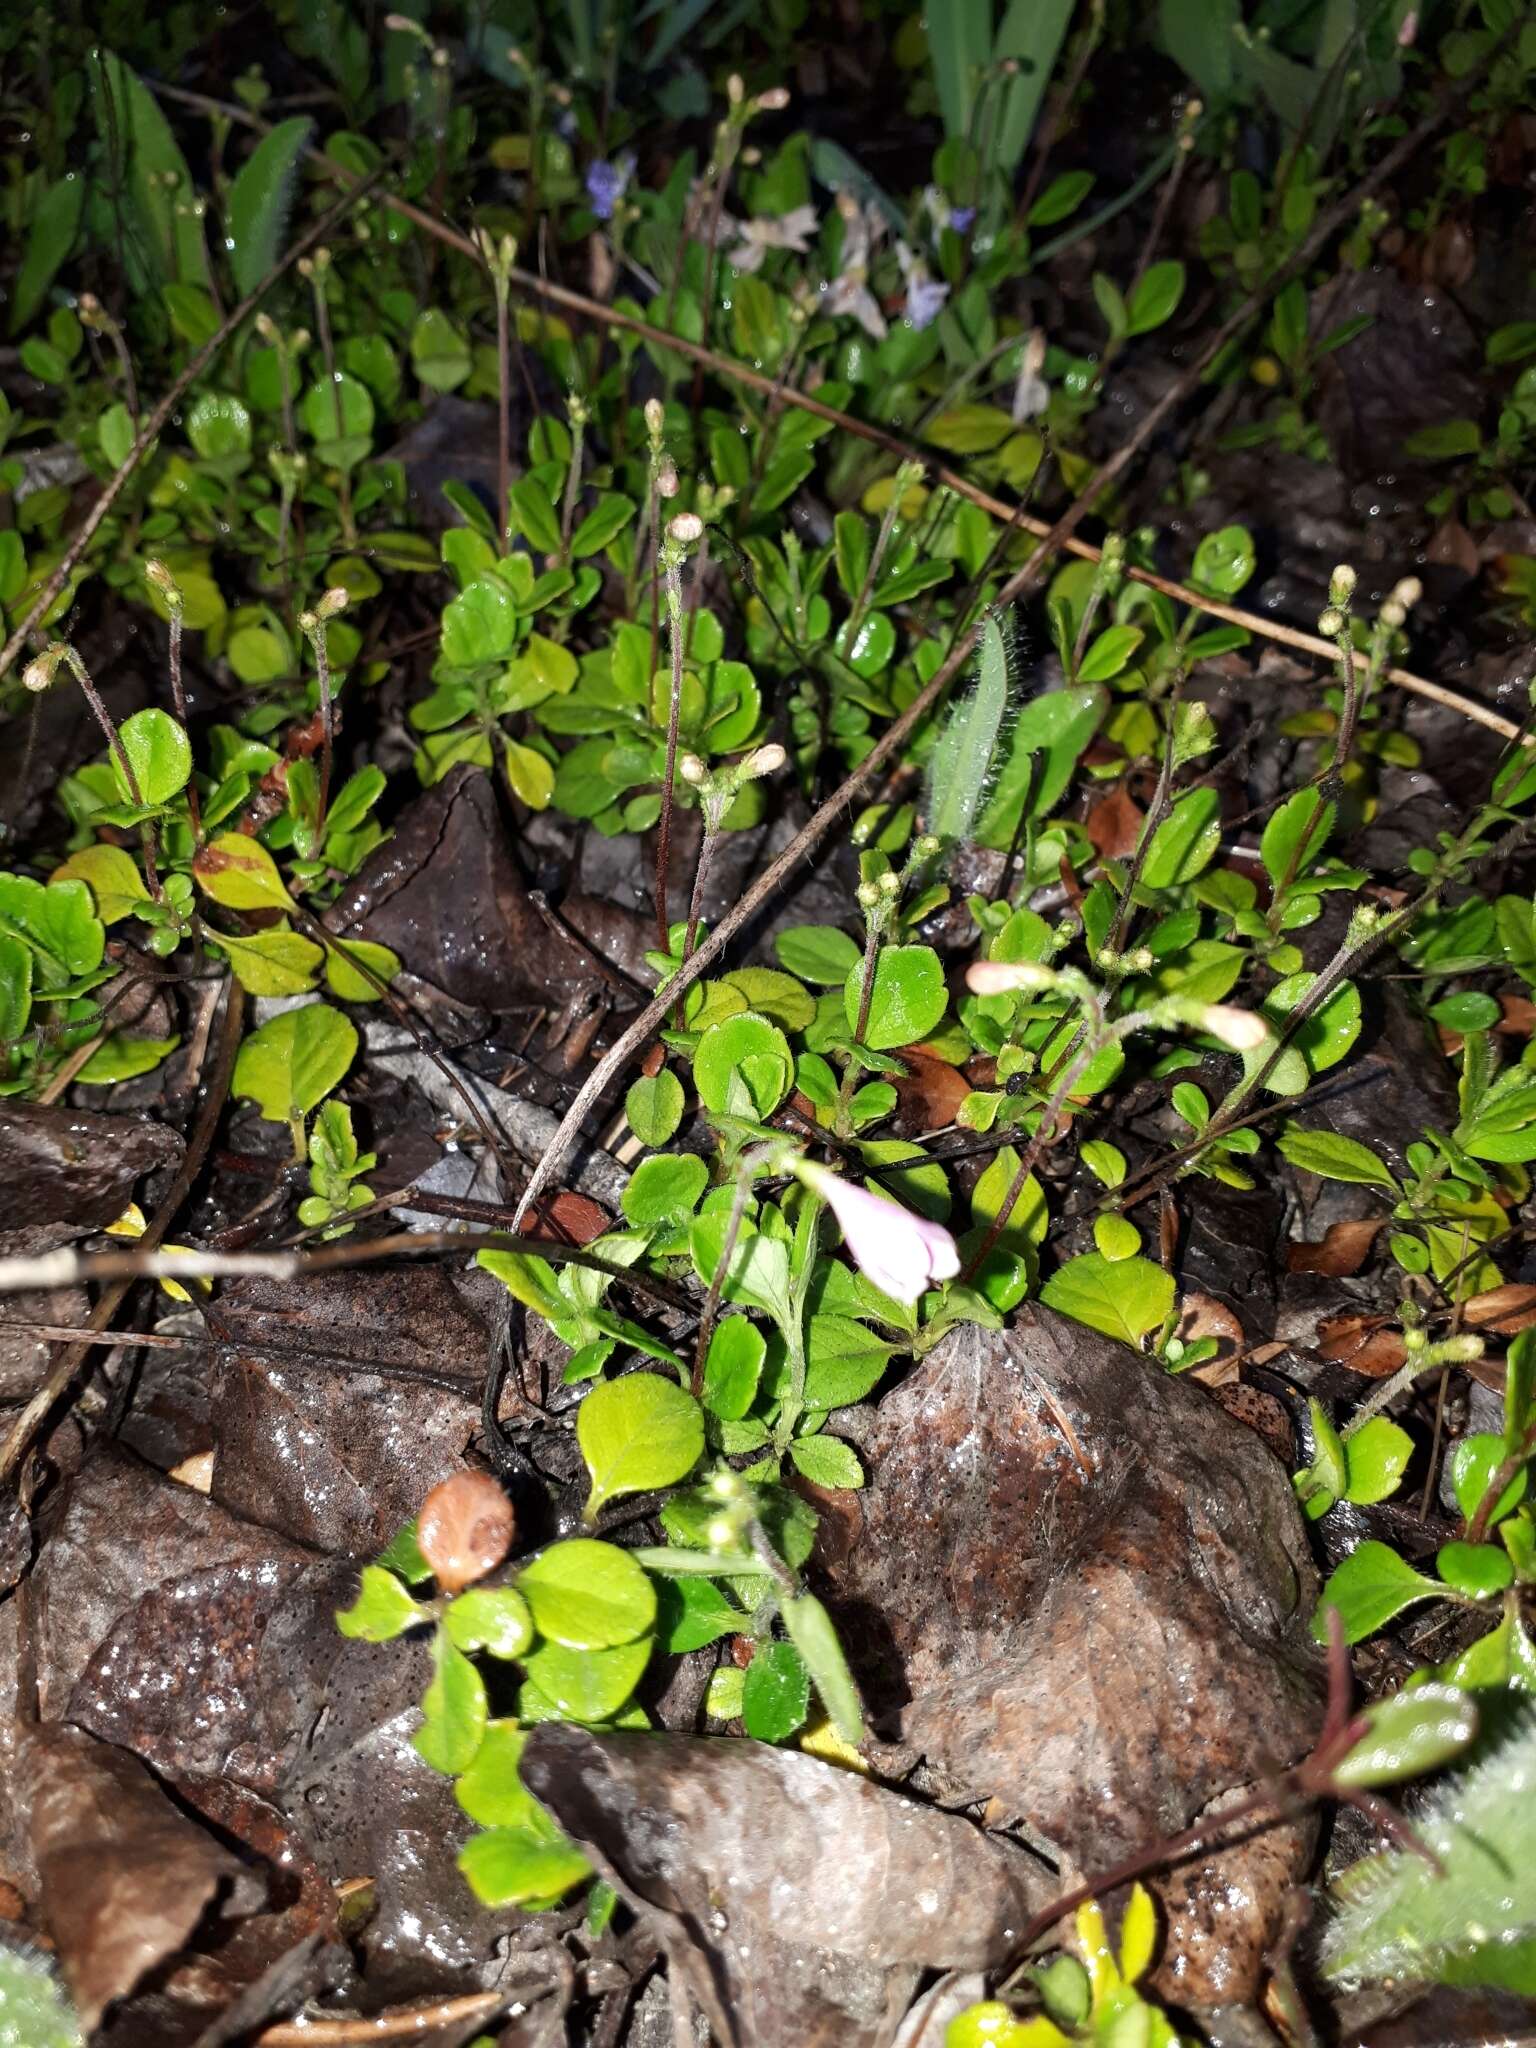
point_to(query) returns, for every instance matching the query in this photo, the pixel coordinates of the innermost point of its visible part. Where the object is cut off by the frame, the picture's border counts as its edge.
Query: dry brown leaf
(124, 1878)
(1343, 1248)
(1114, 824)
(1363, 1343)
(1202, 1315)
(929, 1094)
(1505, 1311)
(577, 1218)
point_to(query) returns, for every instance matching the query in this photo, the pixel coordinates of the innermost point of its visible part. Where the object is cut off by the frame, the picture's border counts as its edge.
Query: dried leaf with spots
(124, 1877)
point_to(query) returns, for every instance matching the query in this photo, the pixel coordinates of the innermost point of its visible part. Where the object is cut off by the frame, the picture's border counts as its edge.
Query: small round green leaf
(637, 1433)
(1410, 1734)
(654, 1106)
(583, 1685)
(664, 1189)
(1477, 1569)
(588, 1595)
(742, 1066)
(490, 1618)
(159, 754)
(908, 1000)
(382, 1610)
(295, 1060)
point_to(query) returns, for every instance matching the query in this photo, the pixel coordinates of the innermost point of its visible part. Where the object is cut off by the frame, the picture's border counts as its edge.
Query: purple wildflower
(607, 184)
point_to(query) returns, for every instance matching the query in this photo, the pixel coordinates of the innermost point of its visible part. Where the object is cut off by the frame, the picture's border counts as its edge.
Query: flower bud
(868, 895)
(774, 100)
(1006, 977)
(692, 770)
(720, 1533)
(655, 417)
(1341, 584)
(766, 761)
(1407, 593)
(889, 884)
(333, 601)
(267, 328)
(1463, 1350)
(1243, 1030)
(1393, 615)
(666, 478)
(1143, 960)
(157, 574)
(685, 527)
(1331, 623)
(735, 91)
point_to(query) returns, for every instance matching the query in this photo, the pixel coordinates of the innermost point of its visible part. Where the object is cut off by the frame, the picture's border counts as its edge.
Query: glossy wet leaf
(1371, 1586)
(818, 953)
(637, 1433)
(345, 961)
(588, 1595)
(454, 1710)
(776, 1693)
(1477, 1569)
(1122, 1298)
(112, 876)
(583, 1685)
(1185, 844)
(382, 1610)
(259, 199)
(1473, 1464)
(490, 1618)
(294, 1060)
(1334, 1157)
(158, 752)
(908, 1000)
(1409, 1735)
(238, 871)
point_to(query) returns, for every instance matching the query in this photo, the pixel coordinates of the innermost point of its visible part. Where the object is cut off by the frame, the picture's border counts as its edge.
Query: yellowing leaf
(237, 870)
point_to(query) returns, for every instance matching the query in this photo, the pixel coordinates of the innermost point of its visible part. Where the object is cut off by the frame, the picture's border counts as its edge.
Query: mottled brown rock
(321, 1448)
(799, 1903)
(1079, 1589)
(74, 1166)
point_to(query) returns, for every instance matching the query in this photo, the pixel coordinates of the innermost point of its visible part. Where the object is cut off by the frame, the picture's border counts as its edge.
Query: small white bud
(774, 100)
(766, 761)
(1408, 592)
(1006, 977)
(37, 675)
(720, 1533)
(666, 479)
(1331, 623)
(692, 769)
(655, 417)
(685, 527)
(1341, 584)
(1393, 615)
(1243, 1030)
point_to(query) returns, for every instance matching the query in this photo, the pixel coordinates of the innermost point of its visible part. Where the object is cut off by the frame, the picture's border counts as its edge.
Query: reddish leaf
(1342, 1250)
